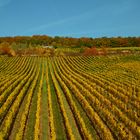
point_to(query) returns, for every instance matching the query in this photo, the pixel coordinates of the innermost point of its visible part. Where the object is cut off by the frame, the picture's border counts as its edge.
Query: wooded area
(50, 46)
(26, 41)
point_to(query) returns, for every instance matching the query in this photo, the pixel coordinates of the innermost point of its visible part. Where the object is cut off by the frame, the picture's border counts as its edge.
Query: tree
(6, 49)
(91, 51)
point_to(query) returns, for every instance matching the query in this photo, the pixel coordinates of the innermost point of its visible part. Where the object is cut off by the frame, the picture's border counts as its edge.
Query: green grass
(29, 130)
(69, 113)
(125, 48)
(16, 124)
(58, 120)
(87, 121)
(44, 110)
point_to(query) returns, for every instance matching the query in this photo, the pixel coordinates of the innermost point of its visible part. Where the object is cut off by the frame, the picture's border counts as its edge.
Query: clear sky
(73, 18)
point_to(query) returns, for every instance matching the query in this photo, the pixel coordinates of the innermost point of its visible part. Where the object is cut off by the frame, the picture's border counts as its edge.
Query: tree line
(30, 41)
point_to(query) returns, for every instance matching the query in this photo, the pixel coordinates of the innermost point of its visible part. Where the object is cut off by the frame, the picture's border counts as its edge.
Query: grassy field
(70, 97)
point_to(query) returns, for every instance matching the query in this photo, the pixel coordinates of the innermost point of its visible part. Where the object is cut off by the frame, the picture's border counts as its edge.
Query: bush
(6, 49)
(91, 51)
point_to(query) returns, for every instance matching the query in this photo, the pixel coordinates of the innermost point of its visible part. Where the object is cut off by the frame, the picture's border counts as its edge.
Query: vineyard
(70, 97)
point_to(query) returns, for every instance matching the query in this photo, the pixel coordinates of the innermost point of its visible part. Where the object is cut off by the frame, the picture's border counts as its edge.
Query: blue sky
(73, 18)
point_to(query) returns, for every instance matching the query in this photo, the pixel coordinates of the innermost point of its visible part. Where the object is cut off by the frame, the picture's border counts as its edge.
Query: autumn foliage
(6, 49)
(91, 51)
(58, 42)
(94, 51)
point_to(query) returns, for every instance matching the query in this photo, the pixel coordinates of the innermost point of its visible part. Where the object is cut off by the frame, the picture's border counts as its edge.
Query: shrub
(6, 49)
(91, 51)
